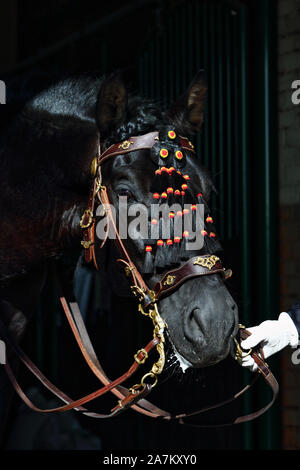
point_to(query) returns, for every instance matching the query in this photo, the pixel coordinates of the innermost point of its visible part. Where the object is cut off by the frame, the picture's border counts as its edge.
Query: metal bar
(141, 74)
(151, 69)
(266, 193)
(176, 41)
(228, 58)
(171, 61)
(146, 73)
(164, 69)
(212, 164)
(197, 60)
(183, 56)
(190, 40)
(220, 80)
(236, 129)
(157, 64)
(204, 38)
(245, 226)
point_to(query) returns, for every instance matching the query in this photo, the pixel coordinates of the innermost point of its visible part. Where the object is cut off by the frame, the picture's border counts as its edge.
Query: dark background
(42, 42)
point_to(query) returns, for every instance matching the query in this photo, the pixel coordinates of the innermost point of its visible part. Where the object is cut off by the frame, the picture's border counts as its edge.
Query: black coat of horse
(45, 160)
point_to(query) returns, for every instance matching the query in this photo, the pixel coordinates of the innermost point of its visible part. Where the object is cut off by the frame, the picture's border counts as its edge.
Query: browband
(145, 141)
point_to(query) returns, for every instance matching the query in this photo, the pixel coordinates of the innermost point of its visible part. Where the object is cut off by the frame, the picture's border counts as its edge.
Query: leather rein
(134, 397)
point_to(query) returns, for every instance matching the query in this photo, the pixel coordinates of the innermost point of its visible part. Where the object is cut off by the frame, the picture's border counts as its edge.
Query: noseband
(194, 267)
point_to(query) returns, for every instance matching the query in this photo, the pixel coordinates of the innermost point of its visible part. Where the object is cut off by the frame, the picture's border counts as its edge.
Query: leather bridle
(133, 397)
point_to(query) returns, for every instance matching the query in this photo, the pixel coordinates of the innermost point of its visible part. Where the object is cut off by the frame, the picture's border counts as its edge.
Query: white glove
(273, 335)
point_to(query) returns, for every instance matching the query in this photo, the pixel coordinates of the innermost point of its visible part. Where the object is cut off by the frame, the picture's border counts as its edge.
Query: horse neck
(45, 188)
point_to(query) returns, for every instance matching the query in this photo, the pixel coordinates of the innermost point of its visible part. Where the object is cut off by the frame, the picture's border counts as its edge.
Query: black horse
(45, 159)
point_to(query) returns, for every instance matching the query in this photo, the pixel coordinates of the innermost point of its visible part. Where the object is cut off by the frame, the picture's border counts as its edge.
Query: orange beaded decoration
(164, 153)
(171, 134)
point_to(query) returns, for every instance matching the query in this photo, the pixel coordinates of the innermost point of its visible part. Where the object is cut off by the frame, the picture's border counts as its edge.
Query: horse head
(200, 314)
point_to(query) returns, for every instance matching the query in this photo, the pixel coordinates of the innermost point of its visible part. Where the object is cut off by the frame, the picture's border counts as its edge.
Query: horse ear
(111, 103)
(187, 112)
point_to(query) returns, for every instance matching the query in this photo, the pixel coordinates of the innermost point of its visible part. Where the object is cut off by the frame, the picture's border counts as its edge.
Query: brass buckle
(144, 352)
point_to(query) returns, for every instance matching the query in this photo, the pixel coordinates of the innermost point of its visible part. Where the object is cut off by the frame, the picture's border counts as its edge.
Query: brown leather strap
(137, 278)
(130, 400)
(174, 278)
(145, 141)
(73, 404)
(90, 357)
(88, 225)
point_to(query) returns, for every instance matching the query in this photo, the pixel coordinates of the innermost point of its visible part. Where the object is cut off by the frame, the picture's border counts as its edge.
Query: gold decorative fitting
(98, 185)
(87, 213)
(208, 262)
(169, 281)
(86, 244)
(128, 270)
(94, 166)
(152, 376)
(125, 145)
(239, 354)
(145, 356)
(138, 292)
(191, 145)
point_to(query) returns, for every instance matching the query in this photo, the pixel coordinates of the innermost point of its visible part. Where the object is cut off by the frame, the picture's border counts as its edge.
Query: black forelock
(143, 116)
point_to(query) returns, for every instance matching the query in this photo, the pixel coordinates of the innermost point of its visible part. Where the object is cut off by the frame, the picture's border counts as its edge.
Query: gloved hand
(273, 335)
